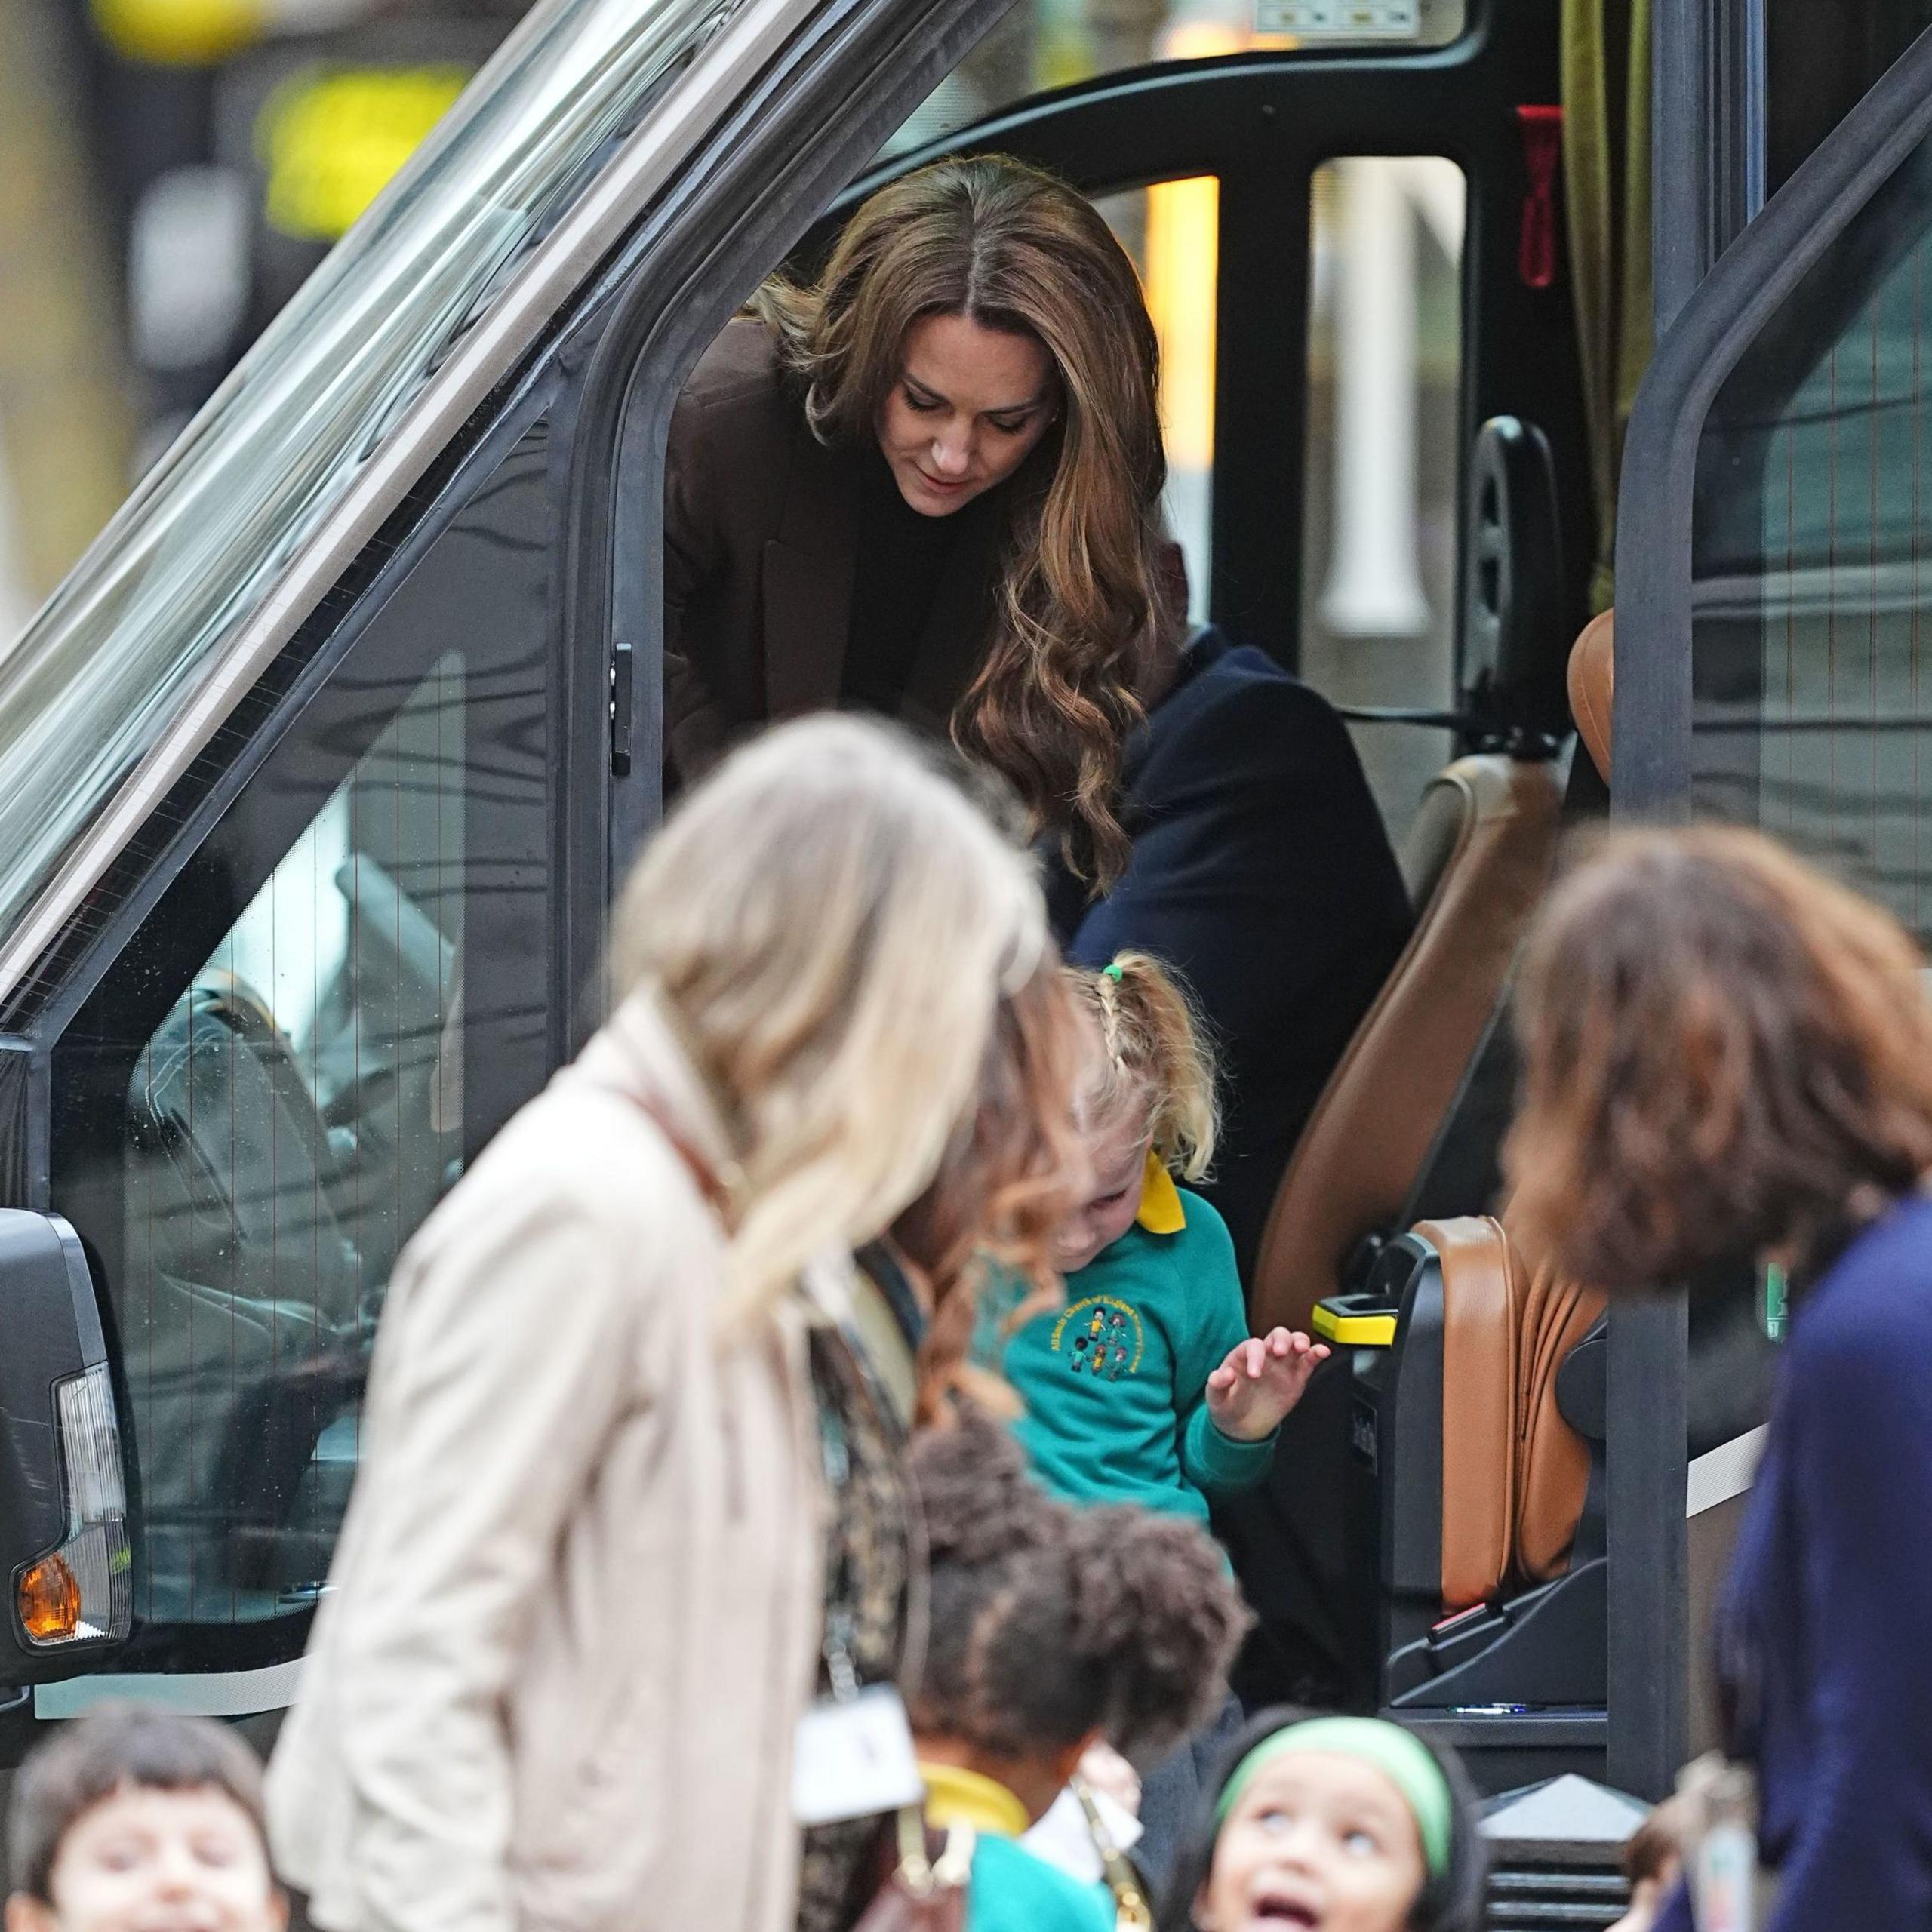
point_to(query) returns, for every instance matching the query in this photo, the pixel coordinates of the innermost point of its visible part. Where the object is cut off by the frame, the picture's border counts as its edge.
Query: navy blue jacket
(1825, 1642)
(1262, 871)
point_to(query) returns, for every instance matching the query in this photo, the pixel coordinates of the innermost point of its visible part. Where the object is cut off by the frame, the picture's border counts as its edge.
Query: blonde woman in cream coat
(575, 1615)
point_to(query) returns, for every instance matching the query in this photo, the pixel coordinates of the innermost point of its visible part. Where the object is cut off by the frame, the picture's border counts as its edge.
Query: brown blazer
(759, 550)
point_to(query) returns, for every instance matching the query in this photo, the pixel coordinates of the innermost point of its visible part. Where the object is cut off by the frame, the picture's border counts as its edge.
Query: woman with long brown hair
(1728, 1057)
(927, 484)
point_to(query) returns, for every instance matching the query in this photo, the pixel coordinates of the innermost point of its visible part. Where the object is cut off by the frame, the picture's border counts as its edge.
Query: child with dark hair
(1051, 1628)
(135, 1820)
(1337, 1823)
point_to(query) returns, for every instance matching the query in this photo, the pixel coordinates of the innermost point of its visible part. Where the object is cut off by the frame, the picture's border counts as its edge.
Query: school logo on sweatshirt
(1101, 1337)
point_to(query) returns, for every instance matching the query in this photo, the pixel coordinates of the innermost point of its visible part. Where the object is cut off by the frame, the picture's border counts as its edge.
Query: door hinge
(621, 658)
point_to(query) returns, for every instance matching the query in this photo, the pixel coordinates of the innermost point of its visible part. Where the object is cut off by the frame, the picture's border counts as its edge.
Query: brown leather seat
(1514, 1471)
(1592, 683)
(1476, 861)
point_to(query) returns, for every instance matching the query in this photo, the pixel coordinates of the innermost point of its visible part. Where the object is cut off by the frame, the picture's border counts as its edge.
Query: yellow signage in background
(1183, 252)
(178, 33)
(1182, 264)
(331, 139)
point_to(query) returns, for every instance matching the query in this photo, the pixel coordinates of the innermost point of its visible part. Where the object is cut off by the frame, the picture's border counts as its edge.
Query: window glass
(1381, 530)
(1042, 44)
(1812, 546)
(1172, 231)
(295, 1115)
(94, 680)
(328, 1011)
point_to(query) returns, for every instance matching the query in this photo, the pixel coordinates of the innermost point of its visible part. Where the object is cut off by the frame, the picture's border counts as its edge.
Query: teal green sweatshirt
(1115, 1383)
(1012, 1891)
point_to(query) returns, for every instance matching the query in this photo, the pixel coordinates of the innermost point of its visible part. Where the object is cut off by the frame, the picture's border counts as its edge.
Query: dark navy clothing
(1262, 871)
(1825, 1640)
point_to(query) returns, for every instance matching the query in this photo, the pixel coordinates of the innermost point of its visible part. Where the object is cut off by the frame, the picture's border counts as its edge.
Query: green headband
(1402, 1758)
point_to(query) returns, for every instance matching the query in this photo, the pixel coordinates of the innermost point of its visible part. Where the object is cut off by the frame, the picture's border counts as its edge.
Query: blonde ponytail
(1159, 1054)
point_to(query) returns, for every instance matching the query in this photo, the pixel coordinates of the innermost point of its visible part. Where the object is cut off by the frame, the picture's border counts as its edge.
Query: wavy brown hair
(1724, 1053)
(1009, 1178)
(1014, 249)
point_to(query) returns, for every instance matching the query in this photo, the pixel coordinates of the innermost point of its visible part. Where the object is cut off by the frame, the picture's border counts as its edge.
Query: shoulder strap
(705, 1177)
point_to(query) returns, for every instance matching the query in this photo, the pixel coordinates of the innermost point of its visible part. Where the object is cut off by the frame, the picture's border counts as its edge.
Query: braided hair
(1050, 1622)
(1157, 1054)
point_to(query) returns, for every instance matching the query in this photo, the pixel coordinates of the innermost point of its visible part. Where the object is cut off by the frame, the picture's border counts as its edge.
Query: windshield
(95, 678)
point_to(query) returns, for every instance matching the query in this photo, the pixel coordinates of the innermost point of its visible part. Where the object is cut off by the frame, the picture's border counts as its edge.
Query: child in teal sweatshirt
(1145, 1386)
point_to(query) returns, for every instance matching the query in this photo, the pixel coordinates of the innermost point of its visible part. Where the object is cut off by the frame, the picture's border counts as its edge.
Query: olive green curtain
(1606, 55)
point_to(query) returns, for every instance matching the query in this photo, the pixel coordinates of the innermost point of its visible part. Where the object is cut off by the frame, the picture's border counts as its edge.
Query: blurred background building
(174, 169)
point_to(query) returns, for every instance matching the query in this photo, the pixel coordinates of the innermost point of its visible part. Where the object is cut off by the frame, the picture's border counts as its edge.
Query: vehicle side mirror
(65, 1563)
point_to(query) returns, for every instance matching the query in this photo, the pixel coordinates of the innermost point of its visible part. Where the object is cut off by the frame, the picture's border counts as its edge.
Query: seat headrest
(1370, 1133)
(1513, 604)
(1592, 679)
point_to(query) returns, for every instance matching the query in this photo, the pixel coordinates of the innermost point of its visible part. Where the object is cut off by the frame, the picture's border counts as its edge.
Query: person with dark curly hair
(1727, 1057)
(1341, 1824)
(1052, 1628)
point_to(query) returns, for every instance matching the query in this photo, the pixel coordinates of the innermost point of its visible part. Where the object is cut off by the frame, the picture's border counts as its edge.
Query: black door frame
(1721, 314)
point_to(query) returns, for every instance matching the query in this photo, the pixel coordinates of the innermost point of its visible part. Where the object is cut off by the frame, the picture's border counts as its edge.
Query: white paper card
(854, 1759)
(1061, 1838)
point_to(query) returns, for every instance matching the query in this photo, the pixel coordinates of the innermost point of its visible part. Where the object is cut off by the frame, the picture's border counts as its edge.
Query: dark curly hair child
(1051, 1628)
(1344, 1824)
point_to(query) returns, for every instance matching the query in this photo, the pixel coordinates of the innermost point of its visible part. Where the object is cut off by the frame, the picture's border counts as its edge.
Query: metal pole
(1707, 171)
(1680, 251)
(1707, 139)
(1649, 1579)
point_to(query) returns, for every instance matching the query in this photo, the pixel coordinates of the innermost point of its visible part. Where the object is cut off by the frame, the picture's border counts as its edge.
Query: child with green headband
(1341, 1824)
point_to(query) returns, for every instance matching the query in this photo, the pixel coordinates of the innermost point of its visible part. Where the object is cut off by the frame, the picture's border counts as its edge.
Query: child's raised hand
(1262, 1379)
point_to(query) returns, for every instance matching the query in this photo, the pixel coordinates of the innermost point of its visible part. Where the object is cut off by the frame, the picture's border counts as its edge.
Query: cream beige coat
(574, 1615)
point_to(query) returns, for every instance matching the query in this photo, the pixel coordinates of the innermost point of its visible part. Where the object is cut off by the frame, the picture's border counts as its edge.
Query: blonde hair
(1014, 248)
(830, 924)
(1156, 1055)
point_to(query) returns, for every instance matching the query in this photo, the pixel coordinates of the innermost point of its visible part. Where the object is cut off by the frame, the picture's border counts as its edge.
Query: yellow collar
(1160, 1210)
(956, 1796)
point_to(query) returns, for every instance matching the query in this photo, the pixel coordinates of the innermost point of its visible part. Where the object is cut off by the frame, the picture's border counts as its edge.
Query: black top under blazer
(760, 534)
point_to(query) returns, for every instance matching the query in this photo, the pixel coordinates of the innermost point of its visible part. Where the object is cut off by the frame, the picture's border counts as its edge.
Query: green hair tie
(1111, 973)
(1401, 1756)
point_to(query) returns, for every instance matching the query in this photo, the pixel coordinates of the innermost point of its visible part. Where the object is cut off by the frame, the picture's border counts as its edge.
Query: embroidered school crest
(1101, 1337)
